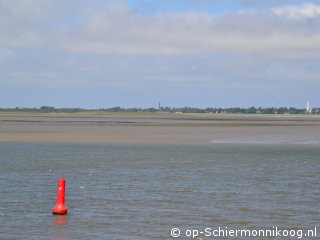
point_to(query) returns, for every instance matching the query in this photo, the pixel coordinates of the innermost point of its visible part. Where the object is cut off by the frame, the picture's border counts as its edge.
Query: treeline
(44, 109)
(238, 110)
(233, 110)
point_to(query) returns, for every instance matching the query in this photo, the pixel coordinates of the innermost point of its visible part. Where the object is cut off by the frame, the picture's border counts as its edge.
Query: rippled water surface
(119, 191)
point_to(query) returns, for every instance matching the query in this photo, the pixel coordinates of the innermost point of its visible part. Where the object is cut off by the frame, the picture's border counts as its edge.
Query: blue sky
(209, 6)
(134, 53)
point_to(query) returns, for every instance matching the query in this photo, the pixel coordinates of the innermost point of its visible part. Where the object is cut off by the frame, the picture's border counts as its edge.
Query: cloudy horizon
(135, 53)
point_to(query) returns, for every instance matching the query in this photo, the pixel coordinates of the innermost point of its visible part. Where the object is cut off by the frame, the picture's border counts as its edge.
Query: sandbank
(160, 128)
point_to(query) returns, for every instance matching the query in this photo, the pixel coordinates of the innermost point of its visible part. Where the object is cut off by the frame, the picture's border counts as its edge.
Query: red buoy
(60, 208)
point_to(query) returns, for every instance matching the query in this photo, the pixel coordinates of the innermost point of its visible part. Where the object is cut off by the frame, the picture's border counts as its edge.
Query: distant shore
(160, 127)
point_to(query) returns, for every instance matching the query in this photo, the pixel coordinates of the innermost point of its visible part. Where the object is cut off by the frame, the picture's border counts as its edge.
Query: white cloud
(119, 30)
(27, 23)
(298, 12)
(112, 27)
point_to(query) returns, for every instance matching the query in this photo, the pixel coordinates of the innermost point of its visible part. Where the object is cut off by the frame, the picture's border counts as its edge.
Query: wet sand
(160, 128)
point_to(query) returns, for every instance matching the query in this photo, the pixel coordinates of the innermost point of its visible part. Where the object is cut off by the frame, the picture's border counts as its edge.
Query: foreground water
(119, 191)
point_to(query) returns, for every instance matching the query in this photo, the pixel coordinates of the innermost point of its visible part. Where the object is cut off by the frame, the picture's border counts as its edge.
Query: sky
(135, 53)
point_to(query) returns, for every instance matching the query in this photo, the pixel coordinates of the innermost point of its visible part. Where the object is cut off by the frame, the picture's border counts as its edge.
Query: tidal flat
(160, 128)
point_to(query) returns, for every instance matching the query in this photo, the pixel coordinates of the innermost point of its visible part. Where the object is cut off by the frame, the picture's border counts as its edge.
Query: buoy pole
(60, 208)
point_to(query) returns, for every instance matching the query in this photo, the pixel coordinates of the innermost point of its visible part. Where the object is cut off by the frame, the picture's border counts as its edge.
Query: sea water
(142, 191)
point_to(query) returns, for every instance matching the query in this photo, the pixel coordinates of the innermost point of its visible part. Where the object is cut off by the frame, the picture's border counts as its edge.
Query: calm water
(119, 191)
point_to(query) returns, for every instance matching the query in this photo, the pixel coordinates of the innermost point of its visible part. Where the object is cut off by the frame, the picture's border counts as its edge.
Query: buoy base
(59, 210)
(59, 213)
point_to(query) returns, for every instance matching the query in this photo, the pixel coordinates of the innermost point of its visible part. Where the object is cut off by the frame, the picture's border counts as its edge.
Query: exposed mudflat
(160, 128)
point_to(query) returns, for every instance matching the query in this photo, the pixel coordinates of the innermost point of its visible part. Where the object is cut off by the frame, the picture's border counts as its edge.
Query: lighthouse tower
(308, 108)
